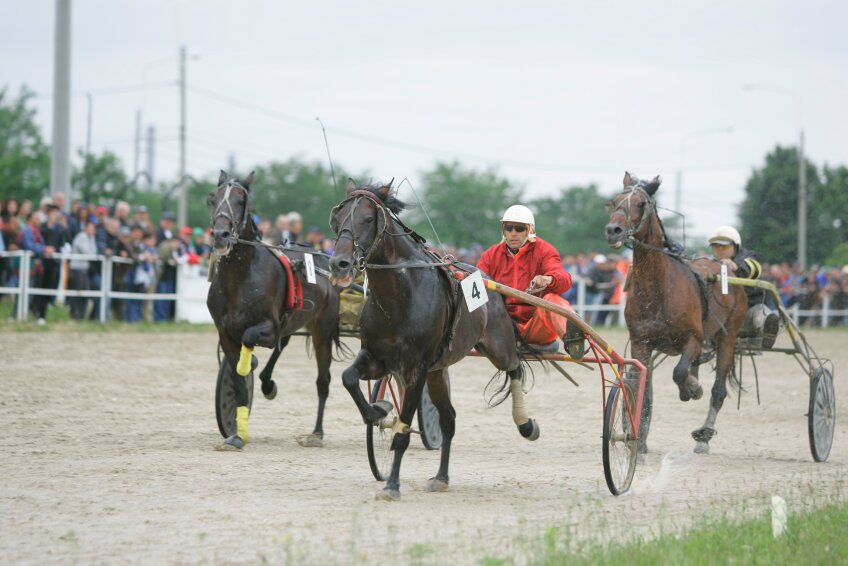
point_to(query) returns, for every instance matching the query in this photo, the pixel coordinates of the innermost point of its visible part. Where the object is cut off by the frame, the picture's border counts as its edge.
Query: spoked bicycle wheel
(378, 437)
(428, 422)
(619, 446)
(225, 398)
(821, 418)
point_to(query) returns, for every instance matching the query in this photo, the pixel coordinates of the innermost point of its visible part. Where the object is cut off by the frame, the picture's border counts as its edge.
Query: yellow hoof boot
(244, 364)
(242, 414)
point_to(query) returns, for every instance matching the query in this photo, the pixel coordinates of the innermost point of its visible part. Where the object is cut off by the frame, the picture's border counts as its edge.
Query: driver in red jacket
(524, 261)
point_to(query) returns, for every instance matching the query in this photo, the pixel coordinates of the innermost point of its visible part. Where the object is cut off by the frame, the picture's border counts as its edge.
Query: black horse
(250, 301)
(414, 323)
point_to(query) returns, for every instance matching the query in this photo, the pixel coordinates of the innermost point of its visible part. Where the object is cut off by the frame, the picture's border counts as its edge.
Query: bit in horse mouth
(344, 281)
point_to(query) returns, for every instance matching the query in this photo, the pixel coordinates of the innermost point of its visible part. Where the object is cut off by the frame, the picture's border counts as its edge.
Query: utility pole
(151, 155)
(88, 124)
(60, 170)
(182, 204)
(137, 152)
(802, 206)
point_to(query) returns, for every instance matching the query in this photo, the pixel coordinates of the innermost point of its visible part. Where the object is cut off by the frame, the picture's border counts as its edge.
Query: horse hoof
(693, 387)
(435, 485)
(272, 394)
(231, 444)
(530, 430)
(383, 409)
(310, 441)
(697, 393)
(387, 494)
(684, 395)
(702, 448)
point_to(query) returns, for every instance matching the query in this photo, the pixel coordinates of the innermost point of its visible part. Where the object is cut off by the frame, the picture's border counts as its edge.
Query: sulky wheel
(428, 422)
(821, 418)
(619, 448)
(378, 437)
(225, 398)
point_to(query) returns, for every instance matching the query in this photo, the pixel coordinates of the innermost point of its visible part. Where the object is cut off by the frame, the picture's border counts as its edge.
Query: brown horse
(415, 323)
(248, 302)
(670, 306)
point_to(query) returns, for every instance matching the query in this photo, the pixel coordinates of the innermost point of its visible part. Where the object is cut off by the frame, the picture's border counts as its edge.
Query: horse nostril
(613, 229)
(343, 264)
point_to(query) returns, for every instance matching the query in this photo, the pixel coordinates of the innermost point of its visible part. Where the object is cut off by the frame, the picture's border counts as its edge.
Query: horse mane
(391, 201)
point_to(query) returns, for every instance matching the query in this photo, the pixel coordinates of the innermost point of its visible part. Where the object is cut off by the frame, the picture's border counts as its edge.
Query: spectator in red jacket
(524, 261)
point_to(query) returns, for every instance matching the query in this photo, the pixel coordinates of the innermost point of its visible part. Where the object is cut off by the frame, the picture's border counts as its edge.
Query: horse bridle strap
(229, 214)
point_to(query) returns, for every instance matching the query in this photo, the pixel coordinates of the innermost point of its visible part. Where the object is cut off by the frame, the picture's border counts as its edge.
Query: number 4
(475, 292)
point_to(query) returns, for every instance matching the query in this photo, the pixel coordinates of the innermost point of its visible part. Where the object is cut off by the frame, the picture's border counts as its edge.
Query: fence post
(105, 286)
(63, 277)
(23, 296)
(622, 302)
(825, 316)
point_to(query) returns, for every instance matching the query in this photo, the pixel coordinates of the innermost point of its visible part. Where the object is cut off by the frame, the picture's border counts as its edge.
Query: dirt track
(108, 458)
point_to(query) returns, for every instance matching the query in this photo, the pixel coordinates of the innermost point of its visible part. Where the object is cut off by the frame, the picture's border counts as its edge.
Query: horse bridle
(229, 214)
(346, 226)
(647, 213)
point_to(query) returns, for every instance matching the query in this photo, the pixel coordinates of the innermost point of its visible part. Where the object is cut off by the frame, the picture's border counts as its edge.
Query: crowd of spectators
(155, 250)
(47, 230)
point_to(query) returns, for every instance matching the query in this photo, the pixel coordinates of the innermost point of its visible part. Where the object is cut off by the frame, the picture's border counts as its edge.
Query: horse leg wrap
(242, 414)
(398, 427)
(519, 413)
(527, 427)
(245, 361)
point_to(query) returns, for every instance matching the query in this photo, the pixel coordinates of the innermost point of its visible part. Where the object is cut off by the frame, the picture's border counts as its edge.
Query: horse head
(631, 211)
(229, 213)
(359, 221)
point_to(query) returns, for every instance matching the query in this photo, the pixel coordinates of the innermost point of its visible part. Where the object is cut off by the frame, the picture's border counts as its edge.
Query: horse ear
(351, 185)
(385, 189)
(627, 180)
(249, 181)
(652, 187)
(222, 178)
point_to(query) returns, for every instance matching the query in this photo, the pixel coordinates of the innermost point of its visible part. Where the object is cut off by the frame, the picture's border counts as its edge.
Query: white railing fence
(192, 286)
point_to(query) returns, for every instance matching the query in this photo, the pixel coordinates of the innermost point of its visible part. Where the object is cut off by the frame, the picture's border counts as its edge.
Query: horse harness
(448, 265)
(670, 249)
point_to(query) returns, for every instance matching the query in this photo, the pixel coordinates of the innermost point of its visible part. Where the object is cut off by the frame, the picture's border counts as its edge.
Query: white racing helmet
(520, 214)
(724, 235)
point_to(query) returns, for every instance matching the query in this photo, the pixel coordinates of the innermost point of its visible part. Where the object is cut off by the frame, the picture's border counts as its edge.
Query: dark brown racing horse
(248, 302)
(415, 323)
(671, 308)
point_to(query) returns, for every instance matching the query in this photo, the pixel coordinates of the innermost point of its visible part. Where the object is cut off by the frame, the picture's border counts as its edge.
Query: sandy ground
(108, 457)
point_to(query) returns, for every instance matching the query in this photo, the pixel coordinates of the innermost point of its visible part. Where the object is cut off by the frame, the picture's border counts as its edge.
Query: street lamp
(678, 194)
(802, 170)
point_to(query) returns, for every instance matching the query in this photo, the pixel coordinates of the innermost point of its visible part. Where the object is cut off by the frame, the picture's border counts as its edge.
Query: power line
(414, 148)
(114, 90)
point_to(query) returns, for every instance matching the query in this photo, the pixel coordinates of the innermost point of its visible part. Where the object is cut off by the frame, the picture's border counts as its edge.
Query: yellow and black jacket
(749, 267)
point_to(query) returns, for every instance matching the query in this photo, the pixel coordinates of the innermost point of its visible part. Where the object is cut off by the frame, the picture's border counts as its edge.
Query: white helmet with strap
(520, 214)
(724, 235)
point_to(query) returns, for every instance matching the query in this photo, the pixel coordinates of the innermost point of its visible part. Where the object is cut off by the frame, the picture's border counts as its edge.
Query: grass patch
(58, 319)
(814, 538)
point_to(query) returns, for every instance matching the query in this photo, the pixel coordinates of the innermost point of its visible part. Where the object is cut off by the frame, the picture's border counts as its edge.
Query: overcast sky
(553, 94)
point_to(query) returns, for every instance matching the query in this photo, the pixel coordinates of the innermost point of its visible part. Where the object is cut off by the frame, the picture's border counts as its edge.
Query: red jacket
(516, 271)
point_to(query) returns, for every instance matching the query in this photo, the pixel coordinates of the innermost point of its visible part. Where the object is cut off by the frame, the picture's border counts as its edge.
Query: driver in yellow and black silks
(760, 322)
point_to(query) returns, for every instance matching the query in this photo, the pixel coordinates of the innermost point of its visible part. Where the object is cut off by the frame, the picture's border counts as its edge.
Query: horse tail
(497, 390)
(343, 352)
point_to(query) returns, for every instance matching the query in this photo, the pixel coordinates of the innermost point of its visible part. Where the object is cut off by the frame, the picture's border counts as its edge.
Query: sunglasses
(513, 228)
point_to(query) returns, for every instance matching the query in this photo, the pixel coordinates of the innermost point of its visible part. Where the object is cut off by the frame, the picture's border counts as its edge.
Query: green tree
(769, 214)
(297, 186)
(24, 157)
(465, 205)
(100, 179)
(572, 221)
(831, 216)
